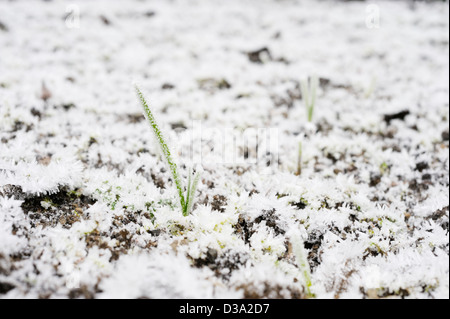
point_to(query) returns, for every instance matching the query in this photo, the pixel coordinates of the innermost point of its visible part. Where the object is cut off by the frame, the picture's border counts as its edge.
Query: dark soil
(66, 207)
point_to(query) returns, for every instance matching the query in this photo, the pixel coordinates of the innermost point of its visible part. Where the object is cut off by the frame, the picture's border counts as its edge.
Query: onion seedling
(302, 262)
(299, 160)
(309, 93)
(186, 199)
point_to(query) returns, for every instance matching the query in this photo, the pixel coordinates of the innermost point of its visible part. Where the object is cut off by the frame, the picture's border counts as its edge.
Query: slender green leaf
(309, 95)
(191, 193)
(186, 201)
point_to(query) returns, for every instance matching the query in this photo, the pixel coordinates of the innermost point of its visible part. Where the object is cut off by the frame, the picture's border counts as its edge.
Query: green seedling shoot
(299, 160)
(302, 262)
(309, 94)
(186, 199)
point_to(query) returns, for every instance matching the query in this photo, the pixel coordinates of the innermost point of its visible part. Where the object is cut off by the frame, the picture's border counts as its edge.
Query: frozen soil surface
(88, 207)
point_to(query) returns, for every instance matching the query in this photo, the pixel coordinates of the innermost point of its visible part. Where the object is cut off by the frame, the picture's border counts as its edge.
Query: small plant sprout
(186, 199)
(309, 93)
(371, 88)
(302, 263)
(299, 160)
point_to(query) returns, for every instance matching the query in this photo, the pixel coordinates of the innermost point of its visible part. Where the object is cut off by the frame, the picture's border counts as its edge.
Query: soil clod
(388, 118)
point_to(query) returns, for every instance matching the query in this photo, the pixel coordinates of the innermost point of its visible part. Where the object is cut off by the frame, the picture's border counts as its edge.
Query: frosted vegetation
(184, 193)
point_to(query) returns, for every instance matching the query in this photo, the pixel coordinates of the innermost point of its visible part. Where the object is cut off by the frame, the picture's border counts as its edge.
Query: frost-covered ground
(87, 204)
